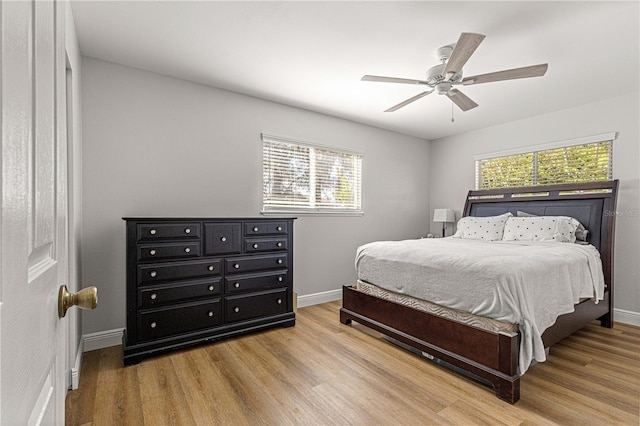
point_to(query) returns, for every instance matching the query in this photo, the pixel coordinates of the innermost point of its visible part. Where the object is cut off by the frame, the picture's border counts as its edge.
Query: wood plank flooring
(321, 372)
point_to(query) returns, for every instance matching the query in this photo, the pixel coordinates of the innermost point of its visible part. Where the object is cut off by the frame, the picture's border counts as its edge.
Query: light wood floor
(323, 372)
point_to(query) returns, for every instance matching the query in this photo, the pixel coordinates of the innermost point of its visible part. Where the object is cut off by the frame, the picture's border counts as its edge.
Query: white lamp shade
(444, 215)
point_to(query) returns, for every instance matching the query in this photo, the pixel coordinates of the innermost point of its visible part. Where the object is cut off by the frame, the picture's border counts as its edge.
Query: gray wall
(452, 162)
(159, 146)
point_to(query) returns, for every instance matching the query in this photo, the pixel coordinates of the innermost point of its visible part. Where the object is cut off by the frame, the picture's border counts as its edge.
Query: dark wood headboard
(593, 204)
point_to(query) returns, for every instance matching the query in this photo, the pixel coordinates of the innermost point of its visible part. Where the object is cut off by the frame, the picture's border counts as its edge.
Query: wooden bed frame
(489, 356)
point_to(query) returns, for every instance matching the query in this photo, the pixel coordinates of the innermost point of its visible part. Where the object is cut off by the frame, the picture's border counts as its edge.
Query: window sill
(307, 212)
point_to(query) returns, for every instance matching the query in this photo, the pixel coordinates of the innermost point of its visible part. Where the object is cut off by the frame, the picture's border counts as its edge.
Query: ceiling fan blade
(408, 101)
(466, 45)
(391, 79)
(524, 72)
(463, 101)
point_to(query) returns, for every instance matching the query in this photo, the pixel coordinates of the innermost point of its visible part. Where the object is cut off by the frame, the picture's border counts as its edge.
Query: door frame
(74, 344)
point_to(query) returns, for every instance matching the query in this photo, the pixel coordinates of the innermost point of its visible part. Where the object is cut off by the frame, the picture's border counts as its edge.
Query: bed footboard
(490, 356)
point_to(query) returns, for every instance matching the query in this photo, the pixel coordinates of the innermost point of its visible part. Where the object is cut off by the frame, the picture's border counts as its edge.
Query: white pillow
(541, 228)
(488, 228)
(581, 232)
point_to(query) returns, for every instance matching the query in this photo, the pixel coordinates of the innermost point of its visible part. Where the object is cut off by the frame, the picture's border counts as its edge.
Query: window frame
(534, 150)
(311, 210)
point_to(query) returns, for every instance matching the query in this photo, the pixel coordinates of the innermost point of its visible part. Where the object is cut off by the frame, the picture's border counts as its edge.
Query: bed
(489, 350)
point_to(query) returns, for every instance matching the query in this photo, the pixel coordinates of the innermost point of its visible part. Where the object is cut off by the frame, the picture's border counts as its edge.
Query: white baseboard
(102, 339)
(317, 298)
(75, 370)
(627, 317)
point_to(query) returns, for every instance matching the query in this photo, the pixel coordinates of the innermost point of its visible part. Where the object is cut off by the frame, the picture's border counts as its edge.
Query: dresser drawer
(168, 250)
(265, 228)
(255, 245)
(159, 272)
(255, 263)
(263, 281)
(162, 231)
(150, 296)
(255, 305)
(222, 238)
(157, 323)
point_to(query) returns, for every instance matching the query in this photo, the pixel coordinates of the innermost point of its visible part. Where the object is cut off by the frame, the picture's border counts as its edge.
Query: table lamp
(445, 216)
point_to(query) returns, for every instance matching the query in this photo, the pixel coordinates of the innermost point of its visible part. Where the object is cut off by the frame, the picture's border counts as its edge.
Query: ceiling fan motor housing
(435, 78)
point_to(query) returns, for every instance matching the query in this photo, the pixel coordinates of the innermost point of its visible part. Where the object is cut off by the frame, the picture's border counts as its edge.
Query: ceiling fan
(443, 77)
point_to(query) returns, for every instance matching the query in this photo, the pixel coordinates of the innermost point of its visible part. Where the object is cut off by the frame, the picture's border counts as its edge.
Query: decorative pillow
(581, 232)
(490, 228)
(541, 228)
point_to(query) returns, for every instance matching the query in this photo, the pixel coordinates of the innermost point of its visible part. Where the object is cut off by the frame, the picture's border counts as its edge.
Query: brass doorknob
(87, 298)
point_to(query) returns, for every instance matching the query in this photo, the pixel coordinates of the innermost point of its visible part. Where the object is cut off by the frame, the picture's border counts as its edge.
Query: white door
(33, 215)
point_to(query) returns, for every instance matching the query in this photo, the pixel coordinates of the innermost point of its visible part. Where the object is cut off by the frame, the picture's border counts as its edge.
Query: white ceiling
(312, 54)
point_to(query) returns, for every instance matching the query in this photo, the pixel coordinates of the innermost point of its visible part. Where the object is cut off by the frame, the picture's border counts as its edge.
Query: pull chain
(452, 120)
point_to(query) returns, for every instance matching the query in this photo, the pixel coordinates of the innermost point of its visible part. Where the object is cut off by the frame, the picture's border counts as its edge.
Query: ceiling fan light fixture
(443, 88)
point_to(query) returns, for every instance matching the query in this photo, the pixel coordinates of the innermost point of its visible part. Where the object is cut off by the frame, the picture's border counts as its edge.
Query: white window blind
(584, 162)
(304, 177)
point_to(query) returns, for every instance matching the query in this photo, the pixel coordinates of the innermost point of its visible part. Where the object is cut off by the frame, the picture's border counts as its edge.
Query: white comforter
(524, 283)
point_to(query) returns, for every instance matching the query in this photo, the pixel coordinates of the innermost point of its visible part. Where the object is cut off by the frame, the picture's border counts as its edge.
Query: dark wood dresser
(194, 280)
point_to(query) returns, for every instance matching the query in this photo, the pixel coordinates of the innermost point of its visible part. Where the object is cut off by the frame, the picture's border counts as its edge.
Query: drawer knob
(153, 296)
(255, 229)
(279, 261)
(279, 244)
(210, 313)
(152, 232)
(152, 252)
(153, 274)
(223, 239)
(187, 231)
(187, 250)
(279, 301)
(210, 267)
(279, 228)
(236, 309)
(210, 288)
(153, 324)
(280, 279)
(255, 246)
(237, 285)
(236, 266)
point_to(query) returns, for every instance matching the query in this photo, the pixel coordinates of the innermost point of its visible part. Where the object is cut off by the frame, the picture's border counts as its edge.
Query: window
(580, 160)
(308, 178)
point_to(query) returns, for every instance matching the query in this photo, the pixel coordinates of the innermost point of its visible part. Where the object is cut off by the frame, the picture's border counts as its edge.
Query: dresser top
(203, 219)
